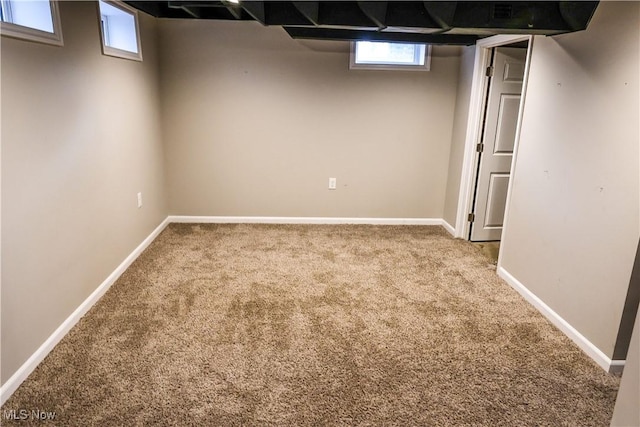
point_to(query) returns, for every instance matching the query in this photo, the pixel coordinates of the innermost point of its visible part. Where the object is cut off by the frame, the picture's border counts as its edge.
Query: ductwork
(435, 22)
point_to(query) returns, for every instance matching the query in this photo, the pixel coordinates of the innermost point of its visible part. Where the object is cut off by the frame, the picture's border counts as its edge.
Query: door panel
(513, 72)
(506, 129)
(498, 139)
(498, 183)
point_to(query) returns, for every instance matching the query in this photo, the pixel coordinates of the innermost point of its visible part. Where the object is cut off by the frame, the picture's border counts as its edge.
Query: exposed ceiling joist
(255, 9)
(454, 22)
(576, 13)
(442, 12)
(310, 10)
(353, 35)
(376, 11)
(234, 9)
(185, 7)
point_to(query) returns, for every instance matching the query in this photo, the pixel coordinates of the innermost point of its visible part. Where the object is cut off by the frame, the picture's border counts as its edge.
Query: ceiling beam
(255, 9)
(577, 14)
(234, 8)
(353, 35)
(152, 8)
(185, 7)
(376, 11)
(442, 12)
(309, 9)
(398, 20)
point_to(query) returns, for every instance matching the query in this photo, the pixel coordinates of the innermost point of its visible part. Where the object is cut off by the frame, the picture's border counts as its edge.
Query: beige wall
(459, 135)
(627, 409)
(80, 137)
(573, 221)
(255, 124)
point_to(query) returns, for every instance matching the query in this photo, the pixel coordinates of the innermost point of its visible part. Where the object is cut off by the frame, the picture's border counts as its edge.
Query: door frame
(474, 127)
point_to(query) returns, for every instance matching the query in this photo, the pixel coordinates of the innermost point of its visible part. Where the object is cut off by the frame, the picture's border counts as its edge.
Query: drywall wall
(80, 138)
(573, 219)
(256, 123)
(459, 134)
(627, 410)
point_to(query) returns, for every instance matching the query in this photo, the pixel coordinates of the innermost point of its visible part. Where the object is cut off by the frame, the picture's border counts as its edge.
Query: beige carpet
(233, 325)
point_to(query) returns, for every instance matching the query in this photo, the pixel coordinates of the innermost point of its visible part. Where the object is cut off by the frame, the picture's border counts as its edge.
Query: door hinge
(471, 217)
(490, 71)
(480, 148)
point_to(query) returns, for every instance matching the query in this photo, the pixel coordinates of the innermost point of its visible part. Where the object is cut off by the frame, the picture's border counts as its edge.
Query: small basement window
(367, 55)
(119, 29)
(34, 20)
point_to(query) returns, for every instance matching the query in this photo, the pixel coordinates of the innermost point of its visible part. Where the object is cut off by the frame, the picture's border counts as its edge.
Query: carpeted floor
(231, 325)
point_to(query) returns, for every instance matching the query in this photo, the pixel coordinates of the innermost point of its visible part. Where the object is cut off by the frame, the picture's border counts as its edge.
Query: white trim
(473, 134)
(580, 340)
(302, 220)
(449, 227)
(22, 32)
(38, 356)
(112, 51)
(476, 104)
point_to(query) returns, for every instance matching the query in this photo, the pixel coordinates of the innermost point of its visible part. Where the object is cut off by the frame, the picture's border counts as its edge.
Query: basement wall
(80, 138)
(573, 220)
(256, 123)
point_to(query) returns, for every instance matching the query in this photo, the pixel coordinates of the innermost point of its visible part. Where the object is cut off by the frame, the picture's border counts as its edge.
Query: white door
(498, 139)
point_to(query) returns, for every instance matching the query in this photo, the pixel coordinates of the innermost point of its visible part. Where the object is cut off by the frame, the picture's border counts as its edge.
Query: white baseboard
(449, 227)
(580, 340)
(12, 384)
(302, 220)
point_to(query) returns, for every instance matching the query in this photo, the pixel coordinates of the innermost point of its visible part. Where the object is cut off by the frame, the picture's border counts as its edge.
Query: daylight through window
(386, 55)
(35, 20)
(119, 27)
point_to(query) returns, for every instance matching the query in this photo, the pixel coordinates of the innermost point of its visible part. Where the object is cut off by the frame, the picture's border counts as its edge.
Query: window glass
(34, 20)
(390, 56)
(119, 27)
(33, 14)
(389, 53)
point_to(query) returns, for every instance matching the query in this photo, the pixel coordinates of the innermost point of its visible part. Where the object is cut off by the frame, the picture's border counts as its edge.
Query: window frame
(22, 32)
(112, 51)
(393, 67)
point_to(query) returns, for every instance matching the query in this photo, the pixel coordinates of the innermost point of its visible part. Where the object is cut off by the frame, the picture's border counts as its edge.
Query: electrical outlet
(139, 200)
(332, 183)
